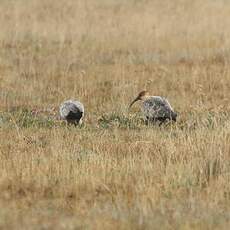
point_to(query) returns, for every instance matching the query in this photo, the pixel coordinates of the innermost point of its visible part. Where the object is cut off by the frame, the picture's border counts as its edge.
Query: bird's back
(72, 110)
(156, 107)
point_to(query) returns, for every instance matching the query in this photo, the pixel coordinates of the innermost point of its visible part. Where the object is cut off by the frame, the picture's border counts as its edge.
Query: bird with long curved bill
(155, 108)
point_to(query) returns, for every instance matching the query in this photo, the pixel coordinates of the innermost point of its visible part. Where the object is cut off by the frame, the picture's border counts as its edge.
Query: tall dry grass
(114, 172)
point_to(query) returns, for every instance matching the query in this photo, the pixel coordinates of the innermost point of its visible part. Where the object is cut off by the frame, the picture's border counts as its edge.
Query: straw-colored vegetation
(114, 172)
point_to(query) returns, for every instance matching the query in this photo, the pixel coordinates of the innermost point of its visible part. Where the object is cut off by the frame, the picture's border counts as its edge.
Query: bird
(72, 111)
(155, 108)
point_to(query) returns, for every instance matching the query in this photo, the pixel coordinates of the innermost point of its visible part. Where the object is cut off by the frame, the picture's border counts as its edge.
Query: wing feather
(157, 107)
(73, 110)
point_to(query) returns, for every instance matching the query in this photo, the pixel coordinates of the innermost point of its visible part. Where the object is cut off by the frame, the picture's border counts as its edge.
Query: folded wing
(158, 108)
(72, 111)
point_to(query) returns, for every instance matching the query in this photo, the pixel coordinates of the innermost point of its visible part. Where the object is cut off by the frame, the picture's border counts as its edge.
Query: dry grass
(114, 172)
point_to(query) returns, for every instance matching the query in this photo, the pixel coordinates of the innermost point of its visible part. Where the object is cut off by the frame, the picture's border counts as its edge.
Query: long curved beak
(136, 99)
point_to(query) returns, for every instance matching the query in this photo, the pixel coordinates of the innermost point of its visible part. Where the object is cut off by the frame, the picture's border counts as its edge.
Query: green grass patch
(24, 118)
(120, 120)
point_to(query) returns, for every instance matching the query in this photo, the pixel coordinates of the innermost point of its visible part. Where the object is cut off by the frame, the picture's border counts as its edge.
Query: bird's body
(72, 111)
(155, 108)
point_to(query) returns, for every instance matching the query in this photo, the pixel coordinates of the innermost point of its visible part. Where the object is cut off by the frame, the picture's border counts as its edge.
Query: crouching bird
(72, 111)
(155, 108)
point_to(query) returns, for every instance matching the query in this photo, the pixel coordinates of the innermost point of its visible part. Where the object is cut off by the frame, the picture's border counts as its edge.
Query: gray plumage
(155, 108)
(72, 111)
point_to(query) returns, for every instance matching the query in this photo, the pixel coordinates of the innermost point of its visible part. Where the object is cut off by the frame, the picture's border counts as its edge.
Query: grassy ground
(114, 172)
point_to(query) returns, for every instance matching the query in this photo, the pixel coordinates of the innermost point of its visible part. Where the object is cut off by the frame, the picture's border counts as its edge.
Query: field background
(114, 172)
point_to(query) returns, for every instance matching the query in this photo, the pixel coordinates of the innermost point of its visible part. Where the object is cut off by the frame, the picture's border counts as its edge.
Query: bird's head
(141, 96)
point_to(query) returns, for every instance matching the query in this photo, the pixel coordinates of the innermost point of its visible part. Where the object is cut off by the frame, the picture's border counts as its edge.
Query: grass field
(114, 172)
